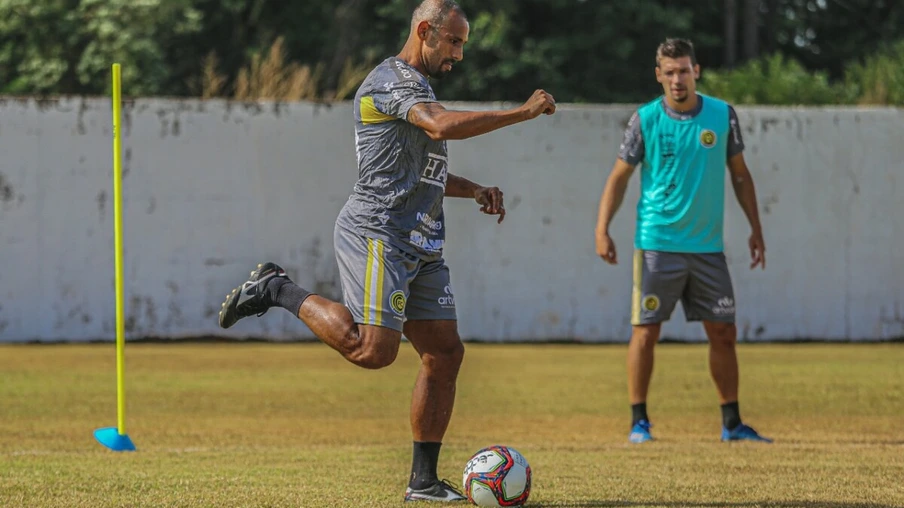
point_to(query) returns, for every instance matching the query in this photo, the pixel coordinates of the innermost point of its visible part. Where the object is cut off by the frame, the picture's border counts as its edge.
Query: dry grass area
(271, 76)
(249, 425)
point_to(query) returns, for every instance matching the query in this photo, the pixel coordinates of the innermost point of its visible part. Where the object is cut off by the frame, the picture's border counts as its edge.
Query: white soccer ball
(497, 476)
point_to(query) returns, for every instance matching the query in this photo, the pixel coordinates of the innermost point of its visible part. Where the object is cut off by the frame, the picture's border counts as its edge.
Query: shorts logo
(724, 306)
(448, 300)
(397, 301)
(651, 303)
(708, 138)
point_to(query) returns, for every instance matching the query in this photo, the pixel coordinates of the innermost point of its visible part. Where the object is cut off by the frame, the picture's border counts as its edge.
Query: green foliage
(773, 80)
(580, 50)
(880, 78)
(777, 79)
(68, 46)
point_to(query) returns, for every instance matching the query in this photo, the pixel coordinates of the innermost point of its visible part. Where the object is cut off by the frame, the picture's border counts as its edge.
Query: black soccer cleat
(441, 491)
(251, 297)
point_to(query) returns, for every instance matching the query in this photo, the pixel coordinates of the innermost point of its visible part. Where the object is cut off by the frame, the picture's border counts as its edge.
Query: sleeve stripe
(370, 114)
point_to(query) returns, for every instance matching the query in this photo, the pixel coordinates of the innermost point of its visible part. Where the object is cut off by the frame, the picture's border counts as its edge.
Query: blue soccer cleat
(641, 432)
(743, 433)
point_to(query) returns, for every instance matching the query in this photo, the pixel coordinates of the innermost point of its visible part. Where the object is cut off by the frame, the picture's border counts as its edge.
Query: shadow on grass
(707, 504)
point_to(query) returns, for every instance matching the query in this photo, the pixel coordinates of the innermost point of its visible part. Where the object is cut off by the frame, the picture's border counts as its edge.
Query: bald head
(435, 12)
(439, 32)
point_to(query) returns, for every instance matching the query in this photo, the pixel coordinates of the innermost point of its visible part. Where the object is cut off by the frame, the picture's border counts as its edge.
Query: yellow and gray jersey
(401, 171)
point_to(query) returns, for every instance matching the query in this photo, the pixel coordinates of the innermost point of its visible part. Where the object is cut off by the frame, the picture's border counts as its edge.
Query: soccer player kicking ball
(389, 236)
(683, 139)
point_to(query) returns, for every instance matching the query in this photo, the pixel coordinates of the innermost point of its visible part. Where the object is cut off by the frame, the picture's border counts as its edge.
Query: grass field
(249, 425)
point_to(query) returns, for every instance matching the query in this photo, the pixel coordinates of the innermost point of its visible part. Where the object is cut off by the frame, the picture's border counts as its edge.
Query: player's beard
(438, 72)
(677, 97)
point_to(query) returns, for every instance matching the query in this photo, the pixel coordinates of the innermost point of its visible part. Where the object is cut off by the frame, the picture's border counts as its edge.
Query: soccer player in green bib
(683, 141)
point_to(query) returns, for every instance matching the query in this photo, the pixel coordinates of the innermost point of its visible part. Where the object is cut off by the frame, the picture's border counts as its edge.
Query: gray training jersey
(401, 171)
(632, 147)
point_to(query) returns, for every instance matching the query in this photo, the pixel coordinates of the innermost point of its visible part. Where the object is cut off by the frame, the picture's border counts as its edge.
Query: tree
(68, 46)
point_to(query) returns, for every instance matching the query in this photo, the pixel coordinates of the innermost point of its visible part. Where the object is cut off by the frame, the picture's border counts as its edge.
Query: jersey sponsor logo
(724, 306)
(668, 159)
(651, 303)
(435, 173)
(667, 151)
(708, 138)
(402, 71)
(417, 239)
(447, 301)
(429, 221)
(397, 301)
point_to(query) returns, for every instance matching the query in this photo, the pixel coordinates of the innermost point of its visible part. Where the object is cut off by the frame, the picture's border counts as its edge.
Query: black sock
(731, 415)
(423, 465)
(638, 413)
(287, 294)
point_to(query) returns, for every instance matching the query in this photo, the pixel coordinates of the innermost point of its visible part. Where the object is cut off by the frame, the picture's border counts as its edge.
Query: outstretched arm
(745, 191)
(440, 123)
(489, 198)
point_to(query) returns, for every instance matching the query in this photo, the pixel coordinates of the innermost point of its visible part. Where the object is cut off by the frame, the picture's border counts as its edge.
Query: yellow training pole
(116, 438)
(117, 226)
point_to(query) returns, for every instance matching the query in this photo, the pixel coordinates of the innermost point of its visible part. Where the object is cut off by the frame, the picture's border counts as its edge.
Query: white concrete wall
(212, 188)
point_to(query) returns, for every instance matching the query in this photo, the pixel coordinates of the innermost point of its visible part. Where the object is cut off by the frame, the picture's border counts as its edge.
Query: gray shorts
(700, 281)
(385, 286)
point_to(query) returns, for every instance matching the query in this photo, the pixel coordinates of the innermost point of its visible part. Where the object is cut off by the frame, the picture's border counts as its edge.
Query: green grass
(294, 425)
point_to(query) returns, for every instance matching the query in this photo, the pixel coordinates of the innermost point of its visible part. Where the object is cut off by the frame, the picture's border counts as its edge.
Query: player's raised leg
(367, 328)
(367, 346)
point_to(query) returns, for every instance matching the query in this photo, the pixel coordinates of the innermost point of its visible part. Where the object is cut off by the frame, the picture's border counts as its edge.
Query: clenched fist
(539, 103)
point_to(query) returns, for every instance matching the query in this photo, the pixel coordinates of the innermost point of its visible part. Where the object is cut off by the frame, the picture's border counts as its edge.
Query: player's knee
(373, 358)
(722, 334)
(445, 358)
(645, 336)
(372, 352)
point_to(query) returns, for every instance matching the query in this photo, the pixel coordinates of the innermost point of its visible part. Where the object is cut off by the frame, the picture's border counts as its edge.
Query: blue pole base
(112, 439)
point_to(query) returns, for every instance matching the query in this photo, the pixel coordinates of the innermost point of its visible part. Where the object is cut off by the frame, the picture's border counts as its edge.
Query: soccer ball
(497, 476)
